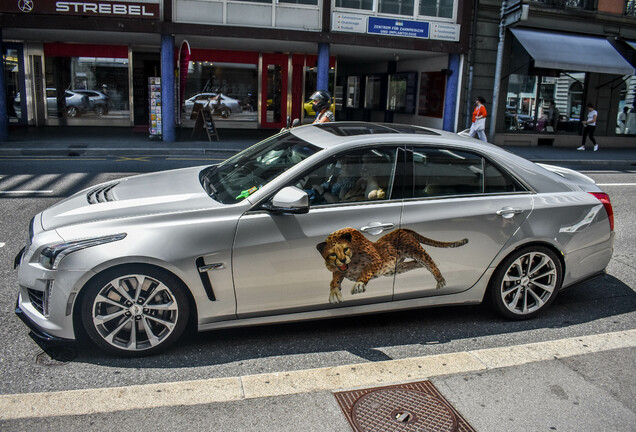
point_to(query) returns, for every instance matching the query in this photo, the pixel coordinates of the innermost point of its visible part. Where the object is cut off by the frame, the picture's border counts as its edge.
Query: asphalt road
(27, 186)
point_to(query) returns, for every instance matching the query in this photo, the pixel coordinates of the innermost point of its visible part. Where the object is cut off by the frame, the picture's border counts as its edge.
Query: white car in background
(233, 105)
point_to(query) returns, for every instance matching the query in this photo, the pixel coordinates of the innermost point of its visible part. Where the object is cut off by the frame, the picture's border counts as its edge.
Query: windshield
(245, 173)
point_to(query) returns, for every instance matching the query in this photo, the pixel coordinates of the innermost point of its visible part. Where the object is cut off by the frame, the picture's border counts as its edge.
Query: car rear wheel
(526, 282)
(100, 110)
(134, 310)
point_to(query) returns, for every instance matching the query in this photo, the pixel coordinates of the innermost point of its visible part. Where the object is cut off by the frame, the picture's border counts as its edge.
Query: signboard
(398, 27)
(118, 9)
(444, 31)
(349, 23)
(352, 23)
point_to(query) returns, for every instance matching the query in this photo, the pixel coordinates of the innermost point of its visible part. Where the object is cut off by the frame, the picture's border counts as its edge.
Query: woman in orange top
(479, 120)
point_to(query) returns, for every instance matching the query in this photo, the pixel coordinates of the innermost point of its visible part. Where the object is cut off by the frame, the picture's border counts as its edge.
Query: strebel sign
(122, 9)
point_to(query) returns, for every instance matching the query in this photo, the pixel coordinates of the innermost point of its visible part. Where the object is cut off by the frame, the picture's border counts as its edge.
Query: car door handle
(508, 212)
(375, 228)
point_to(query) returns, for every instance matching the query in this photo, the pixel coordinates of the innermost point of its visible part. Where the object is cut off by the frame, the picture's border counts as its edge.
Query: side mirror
(296, 122)
(289, 200)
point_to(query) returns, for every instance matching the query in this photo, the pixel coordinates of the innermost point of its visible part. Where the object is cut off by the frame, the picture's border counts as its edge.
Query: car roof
(333, 134)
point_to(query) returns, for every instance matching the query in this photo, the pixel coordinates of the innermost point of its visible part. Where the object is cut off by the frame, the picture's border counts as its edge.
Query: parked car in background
(98, 101)
(319, 221)
(76, 103)
(232, 104)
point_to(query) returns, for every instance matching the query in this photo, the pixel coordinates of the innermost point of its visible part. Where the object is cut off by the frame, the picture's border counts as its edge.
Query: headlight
(51, 256)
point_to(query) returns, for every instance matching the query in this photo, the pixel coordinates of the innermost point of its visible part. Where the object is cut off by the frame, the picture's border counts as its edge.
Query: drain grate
(411, 407)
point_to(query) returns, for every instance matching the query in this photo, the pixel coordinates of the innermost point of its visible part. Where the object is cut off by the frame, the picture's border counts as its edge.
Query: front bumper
(37, 331)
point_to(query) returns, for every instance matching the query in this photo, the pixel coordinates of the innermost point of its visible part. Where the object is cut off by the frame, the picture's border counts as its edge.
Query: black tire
(100, 110)
(526, 282)
(72, 111)
(147, 299)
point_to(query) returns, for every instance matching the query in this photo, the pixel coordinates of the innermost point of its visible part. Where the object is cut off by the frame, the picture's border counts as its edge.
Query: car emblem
(25, 5)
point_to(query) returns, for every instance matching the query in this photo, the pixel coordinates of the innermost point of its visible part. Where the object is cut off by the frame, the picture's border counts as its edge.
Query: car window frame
(409, 174)
(395, 174)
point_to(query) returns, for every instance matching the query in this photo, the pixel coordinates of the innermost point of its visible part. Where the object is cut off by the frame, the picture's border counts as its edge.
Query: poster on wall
(154, 100)
(432, 93)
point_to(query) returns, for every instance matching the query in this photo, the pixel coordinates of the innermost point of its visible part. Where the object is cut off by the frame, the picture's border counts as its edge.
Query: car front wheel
(72, 111)
(134, 310)
(526, 282)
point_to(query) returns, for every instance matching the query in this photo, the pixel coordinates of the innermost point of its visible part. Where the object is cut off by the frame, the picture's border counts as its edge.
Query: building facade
(113, 63)
(539, 63)
(149, 64)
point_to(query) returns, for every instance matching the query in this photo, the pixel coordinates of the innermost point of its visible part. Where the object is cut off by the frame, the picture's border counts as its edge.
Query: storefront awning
(572, 53)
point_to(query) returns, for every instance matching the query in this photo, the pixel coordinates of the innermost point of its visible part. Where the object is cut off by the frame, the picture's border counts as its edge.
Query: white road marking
(100, 400)
(17, 192)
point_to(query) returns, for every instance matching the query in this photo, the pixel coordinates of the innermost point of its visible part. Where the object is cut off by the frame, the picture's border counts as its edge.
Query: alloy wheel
(526, 283)
(135, 313)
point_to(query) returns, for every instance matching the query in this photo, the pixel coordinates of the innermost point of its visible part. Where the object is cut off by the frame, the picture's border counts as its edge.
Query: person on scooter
(321, 104)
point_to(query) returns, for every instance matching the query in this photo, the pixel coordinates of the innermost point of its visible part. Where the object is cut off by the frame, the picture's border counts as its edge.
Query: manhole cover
(399, 409)
(411, 407)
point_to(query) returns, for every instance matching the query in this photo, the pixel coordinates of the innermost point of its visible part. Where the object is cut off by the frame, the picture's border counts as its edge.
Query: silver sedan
(319, 221)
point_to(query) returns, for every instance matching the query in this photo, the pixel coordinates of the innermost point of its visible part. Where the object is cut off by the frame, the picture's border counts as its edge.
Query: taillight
(605, 200)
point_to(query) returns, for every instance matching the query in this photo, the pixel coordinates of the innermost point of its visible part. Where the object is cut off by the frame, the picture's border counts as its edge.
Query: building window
(437, 8)
(396, 7)
(355, 4)
(630, 7)
(544, 104)
(301, 2)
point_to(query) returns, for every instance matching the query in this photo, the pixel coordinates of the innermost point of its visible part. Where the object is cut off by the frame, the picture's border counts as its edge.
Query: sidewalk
(97, 141)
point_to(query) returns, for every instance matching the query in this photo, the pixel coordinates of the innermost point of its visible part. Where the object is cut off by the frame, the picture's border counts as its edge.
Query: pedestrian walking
(589, 126)
(479, 120)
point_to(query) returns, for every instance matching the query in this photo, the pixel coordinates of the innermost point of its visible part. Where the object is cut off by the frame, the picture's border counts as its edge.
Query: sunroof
(353, 129)
(409, 129)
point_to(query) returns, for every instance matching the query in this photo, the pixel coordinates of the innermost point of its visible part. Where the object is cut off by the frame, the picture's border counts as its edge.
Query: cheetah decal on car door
(349, 254)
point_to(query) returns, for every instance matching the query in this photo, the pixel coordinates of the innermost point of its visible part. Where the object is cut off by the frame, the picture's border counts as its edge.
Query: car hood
(155, 193)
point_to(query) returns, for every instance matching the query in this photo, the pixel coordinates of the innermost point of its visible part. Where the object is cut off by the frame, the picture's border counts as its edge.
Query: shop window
(396, 7)
(373, 92)
(437, 8)
(87, 90)
(544, 104)
(626, 118)
(401, 92)
(229, 89)
(12, 65)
